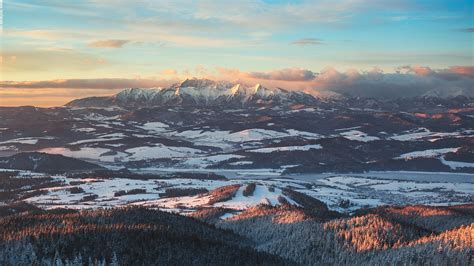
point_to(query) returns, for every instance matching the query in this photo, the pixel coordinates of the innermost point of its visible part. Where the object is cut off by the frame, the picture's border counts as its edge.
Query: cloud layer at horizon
(407, 81)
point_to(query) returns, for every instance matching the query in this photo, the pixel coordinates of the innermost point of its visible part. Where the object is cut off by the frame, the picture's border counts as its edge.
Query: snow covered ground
(27, 140)
(99, 154)
(424, 133)
(160, 151)
(426, 153)
(364, 191)
(456, 165)
(226, 139)
(111, 141)
(287, 148)
(204, 161)
(359, 191)
(155, 127)
(358, 135)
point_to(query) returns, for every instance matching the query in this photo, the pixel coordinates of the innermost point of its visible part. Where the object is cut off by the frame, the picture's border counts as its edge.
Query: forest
(261, 235)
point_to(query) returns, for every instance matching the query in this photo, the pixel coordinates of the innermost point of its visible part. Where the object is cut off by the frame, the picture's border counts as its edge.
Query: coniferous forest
(262, 235)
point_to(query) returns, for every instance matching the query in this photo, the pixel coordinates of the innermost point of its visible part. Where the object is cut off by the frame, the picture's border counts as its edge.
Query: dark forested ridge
(411, 235)
(47, 163)
(130, 236)
(262, 235)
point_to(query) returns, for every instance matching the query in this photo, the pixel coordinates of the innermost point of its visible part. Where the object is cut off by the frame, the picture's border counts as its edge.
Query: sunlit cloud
(416, 81)
(136, 34)
(307, 41)
(412, 81)
(59, 92)
(108, 43)
(408, 81)
(44, 97)
(451, 73)
(290, 74)
(116, 83)
(169, 73)
(38, 63)
(48, 34)
(417, 69)
(462, 70)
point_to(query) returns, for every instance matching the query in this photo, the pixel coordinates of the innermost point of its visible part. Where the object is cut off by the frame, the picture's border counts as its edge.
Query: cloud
(169, 72)
(418, 70)
(289, 74)
(414, 81)
(451, 73)
(468, 29)
(59, 92)
(307, 41)
(195, 23)
(145, 31)
(108, 43)
(47, 97)
(40, 63)
(467, 71)
(112, 83)
(407, 81)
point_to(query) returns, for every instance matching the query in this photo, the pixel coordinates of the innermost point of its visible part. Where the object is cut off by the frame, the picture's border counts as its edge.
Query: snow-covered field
(287, 148)
(227, 139)
(359, 191)
(358, 135)
(423, 133)
(456, 165)
(160, 151)
(426, 153)
(115, 142)
(98, 154)
(27, 140)
(364, 191)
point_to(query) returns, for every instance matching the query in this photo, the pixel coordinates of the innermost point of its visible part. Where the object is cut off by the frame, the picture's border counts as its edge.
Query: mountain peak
(236, 89)
(264, 92)
(197, 83)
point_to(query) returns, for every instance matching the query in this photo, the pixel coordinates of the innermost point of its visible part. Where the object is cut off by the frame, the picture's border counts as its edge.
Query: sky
(53, 51)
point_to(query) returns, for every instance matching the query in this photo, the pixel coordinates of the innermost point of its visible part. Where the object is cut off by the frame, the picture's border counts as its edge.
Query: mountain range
(198, 92)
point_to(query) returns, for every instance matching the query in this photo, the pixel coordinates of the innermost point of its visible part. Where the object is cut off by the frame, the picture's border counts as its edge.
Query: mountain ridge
(48, 163)
(207, 93)
(198, 92)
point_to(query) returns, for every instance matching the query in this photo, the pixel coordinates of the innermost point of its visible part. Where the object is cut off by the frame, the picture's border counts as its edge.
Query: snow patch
(358, 136)
(287, 148)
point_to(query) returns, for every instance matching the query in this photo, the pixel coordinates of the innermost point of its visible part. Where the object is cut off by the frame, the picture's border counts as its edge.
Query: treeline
(182, 192)
(125, 173)
(224, 193)
(14, 186)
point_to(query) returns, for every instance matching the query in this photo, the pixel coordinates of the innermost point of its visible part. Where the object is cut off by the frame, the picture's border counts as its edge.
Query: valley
(297, 136)
(264, 175)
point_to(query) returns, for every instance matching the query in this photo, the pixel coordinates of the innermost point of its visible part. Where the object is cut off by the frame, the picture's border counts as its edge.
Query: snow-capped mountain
(448, 93)
(198, 92)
